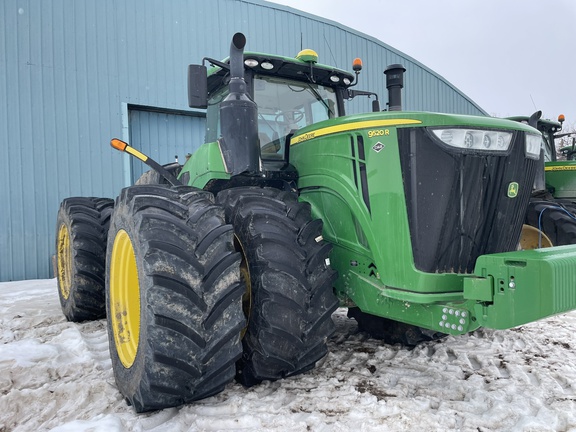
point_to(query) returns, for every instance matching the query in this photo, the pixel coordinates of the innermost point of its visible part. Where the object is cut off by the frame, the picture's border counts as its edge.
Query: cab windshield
(284, 106)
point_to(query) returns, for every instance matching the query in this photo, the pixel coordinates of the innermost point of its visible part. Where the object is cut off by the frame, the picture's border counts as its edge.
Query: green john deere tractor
(234, 267)
(552, 209)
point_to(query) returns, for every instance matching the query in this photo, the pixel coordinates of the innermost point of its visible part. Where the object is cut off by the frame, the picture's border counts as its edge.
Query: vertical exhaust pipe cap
(237, 63)
(394, 83)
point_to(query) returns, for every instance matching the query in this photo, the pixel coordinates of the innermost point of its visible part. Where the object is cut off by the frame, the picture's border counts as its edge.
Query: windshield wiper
(331, 113)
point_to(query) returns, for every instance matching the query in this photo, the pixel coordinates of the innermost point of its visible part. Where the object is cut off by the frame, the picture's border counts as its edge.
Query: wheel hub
(64, 257)
(533, 238)
(244, 277)
(124, 299)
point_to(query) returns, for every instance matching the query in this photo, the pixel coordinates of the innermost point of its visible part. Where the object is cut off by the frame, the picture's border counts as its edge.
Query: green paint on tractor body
(561, 178)
(205, 165)
(560, 175)
(423, 232)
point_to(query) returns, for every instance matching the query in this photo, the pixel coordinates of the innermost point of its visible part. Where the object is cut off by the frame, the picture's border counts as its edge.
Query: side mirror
(375, 103)
(197, 86)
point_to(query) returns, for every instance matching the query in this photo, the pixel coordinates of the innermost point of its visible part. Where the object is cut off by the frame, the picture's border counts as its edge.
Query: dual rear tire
(173, 296)
(183, 321)
(288, 281)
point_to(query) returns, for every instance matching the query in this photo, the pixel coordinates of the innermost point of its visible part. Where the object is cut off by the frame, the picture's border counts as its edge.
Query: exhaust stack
(239, 117)
(394, 84)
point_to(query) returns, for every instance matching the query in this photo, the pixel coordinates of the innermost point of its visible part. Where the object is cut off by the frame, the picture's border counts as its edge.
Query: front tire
(173, 296)
(288, 281)
(81, 236)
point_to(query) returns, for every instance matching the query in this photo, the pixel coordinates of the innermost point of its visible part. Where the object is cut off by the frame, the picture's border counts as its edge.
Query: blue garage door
(163, 135)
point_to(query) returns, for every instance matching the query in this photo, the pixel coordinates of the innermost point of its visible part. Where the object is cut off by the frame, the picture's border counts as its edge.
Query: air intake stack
(394, 84)
(239, 117)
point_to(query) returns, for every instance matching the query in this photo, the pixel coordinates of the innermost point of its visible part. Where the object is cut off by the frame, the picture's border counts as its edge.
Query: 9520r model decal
(373, 124)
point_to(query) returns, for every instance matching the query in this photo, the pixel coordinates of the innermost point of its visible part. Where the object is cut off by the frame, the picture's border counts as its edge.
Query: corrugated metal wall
(69, 69)
(163, 135)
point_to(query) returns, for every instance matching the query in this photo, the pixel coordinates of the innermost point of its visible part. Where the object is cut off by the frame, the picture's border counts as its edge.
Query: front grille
(458, 204)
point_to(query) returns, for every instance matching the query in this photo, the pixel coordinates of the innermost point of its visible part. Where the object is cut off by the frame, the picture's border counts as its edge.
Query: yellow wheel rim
(124, 299)
(245, 277)
(64, 259)
(533, 238)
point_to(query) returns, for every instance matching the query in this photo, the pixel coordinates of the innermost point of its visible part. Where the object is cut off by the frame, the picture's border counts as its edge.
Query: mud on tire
(170, 249)
(288, 279)
(81, 236)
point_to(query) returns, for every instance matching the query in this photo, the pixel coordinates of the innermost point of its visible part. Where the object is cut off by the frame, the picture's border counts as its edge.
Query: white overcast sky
(512, 57)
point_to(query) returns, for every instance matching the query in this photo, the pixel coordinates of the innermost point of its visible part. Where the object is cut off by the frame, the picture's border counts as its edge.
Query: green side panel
(375, 242)
(561, 176)
(452, 317)
(204, 165)
(372, 249)
(526, 286)
(359, 286)
(508, 290)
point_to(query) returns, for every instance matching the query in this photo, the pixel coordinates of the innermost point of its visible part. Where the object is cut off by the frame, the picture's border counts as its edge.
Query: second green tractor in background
(552, 208)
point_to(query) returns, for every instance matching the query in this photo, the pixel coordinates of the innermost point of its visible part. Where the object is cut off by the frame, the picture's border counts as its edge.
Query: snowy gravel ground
(56, 375)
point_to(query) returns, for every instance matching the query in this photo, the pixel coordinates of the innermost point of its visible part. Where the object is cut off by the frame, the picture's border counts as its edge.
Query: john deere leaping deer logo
(513, 190)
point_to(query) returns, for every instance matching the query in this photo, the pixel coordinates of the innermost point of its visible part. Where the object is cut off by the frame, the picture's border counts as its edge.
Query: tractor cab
(289, 94)
(550, 132)
(557, 175)
(284, 106)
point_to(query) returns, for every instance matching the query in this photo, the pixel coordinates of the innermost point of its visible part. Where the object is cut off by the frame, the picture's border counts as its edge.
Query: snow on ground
(56, 375)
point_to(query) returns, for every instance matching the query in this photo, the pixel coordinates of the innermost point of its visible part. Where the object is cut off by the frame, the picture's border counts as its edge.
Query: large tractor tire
(173, 296)
(557, 219)
(81, 236)
(392, 332)
(152, 177)
(289, 297)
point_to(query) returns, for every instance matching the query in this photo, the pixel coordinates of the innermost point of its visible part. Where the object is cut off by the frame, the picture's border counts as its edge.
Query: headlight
(475, 139)
(533, 145)
(251, 62)
(267, 65)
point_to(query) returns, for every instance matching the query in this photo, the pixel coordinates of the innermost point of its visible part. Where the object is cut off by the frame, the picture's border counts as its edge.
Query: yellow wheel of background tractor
(533, 238)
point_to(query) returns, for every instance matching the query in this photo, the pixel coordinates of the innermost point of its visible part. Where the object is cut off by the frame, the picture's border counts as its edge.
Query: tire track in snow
(50, 369)
(59, 376)
(95, 337)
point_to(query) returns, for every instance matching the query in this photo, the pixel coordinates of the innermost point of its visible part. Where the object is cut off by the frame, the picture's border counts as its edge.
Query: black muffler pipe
(239, 117)
(394, 84)
(534, 118)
